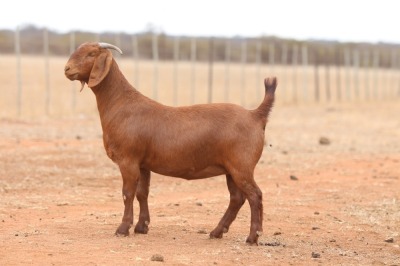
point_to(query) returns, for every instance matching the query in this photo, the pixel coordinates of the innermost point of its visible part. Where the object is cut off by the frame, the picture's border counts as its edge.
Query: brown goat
(192, 142)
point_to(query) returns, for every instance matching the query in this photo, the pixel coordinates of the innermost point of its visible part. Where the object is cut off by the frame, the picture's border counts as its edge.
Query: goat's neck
(112, 88)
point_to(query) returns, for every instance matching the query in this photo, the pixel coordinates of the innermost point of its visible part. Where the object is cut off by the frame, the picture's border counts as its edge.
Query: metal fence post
(73, 84)
(271, 55)
(193, 52)
(19, 79)
(327, 76)
(356, 64)
(397, 80)
(347, 72)
(366, 64)
(284, 57)
(258, 68)
(227, 68)
(304, 59)
(135, 55)
(393, 67)
(338, 75)
(46, 69)
(176, 61)
(295, 53)
(316, 76)
(376, 68)
(155, 65)
(243, 72)
(210, 68)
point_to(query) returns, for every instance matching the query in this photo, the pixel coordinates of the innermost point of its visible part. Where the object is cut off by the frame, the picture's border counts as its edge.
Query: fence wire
(182, 71)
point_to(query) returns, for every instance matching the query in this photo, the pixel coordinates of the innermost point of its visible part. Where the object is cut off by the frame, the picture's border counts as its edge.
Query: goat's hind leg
(253, 194)
(142, 194)
(130, 176)
(237, 200)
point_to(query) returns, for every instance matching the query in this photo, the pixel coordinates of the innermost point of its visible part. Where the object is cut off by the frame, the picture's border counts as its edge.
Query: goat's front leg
(142, 194)
(130, 177)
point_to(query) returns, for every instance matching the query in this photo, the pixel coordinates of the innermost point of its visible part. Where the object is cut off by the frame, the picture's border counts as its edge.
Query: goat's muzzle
(73, 76)
(70, 75)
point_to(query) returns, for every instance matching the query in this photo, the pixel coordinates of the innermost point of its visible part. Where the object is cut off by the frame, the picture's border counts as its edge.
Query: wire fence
(350, 74)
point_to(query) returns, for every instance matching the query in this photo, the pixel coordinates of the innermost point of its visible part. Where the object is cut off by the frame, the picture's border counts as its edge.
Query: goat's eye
(92, 54)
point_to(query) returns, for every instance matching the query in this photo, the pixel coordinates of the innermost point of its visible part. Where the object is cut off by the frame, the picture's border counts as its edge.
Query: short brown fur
(141, 136)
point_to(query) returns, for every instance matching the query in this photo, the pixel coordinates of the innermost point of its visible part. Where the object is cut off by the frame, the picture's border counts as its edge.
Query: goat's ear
(100, 68)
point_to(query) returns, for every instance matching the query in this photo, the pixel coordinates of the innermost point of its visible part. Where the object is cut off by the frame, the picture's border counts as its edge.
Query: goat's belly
(191, 173)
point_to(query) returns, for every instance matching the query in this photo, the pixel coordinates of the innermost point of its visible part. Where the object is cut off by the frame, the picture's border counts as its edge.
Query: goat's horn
(109, 46)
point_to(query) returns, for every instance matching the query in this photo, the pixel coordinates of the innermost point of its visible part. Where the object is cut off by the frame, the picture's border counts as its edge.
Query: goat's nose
(66, 68)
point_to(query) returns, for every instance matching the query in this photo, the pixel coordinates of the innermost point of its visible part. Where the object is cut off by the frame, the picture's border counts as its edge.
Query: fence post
(210, 68)
(356, 64)
(227, 68)
(258, 68)
(304, 59)
(271, 56)
(383, 86)
(176, 61)
(365, 66)
(338, 74)
(135, 54)
(155, 65)
(193, 52)
(347, 71)
(327, 76)
(393, 67)
(243, 70)
(73, 84)
(96, 37)
(316, 75)
(376, 69)
(19, 80)
(284, 65)
(294, 66)
(46, 69)
(398, 72)
(117, 37)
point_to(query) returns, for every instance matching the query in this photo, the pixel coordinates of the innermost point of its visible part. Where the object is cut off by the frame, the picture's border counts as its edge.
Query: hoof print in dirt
(315, 255)
(157, 257)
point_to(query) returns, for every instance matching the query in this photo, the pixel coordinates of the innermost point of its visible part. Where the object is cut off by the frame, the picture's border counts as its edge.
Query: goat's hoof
(215, 235)
(123, 230)
(141, 228)
(252, 241)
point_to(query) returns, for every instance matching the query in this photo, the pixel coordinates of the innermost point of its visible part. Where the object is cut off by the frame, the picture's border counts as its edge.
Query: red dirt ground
(61, 196)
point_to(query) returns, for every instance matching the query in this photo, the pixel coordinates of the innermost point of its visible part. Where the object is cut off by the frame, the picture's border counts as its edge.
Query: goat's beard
(83, 85)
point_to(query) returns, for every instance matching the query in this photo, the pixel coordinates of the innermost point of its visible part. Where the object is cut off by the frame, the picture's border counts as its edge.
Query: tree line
(263, 49)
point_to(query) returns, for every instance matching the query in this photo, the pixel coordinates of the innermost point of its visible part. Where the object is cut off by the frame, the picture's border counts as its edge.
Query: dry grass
(244, 85)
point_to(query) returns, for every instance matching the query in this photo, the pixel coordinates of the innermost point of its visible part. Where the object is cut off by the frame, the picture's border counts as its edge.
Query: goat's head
(90, 63)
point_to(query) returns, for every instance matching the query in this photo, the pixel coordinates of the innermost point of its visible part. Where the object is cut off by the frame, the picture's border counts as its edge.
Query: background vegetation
(265, 49)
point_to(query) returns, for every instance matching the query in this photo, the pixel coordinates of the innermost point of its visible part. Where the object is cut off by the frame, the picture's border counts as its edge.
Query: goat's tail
(269, 98)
